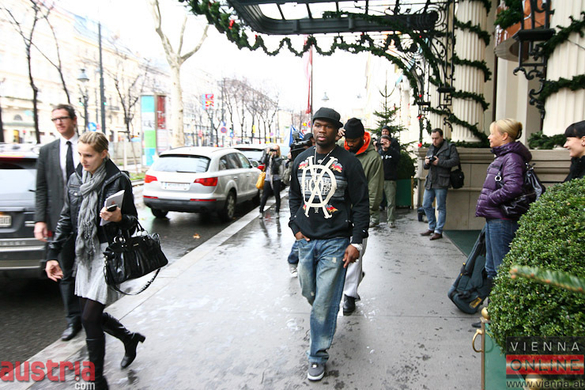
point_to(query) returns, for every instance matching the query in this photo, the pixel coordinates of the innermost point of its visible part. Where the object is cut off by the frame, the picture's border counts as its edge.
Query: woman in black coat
(575, 144)
(95, 179)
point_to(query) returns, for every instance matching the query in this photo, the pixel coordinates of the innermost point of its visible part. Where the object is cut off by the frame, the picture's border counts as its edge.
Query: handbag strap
(147, 285)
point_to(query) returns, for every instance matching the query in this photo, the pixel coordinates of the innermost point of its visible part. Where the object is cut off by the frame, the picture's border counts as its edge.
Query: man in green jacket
(359, 142)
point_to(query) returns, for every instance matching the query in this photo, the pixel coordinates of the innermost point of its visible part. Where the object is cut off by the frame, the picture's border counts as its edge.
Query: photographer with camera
(441, 157)
(274, 173)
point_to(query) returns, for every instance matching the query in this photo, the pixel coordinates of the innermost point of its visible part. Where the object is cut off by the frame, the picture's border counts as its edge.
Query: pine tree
(387, 115)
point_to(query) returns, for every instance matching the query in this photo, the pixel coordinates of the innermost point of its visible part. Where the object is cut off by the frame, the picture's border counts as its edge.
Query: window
(181, 163)
(233, 161)
(244, 161)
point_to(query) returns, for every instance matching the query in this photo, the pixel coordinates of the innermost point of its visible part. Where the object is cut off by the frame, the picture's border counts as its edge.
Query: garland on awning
(509, 16)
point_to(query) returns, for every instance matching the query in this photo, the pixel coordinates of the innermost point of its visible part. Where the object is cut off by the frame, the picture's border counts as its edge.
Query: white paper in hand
(116, 199)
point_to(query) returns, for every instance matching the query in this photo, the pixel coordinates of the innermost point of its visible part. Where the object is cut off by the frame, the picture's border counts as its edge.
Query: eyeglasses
(61, 118)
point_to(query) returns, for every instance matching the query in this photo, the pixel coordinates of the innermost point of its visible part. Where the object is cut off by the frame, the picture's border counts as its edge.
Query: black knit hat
(576, 130)
(329, 115)
(354, 129)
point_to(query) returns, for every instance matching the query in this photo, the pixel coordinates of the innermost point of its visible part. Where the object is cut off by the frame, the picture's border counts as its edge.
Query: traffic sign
(91, 126)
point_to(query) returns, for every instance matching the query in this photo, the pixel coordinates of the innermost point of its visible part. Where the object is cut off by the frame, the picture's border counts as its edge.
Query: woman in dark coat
(274, 174)
(503, 183)
(575, 144)
(87, 190)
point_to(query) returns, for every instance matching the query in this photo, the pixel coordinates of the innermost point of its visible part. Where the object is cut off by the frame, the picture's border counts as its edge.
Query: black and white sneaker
(316, 371)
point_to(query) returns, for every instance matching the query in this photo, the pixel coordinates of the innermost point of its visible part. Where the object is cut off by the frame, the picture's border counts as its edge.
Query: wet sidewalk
(229, 316)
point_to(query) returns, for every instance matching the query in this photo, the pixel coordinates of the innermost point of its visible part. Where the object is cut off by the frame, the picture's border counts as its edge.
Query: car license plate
(175, 186)
(5, 220)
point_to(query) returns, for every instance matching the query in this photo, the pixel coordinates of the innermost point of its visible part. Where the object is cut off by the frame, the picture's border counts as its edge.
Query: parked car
(21, 255)
(200, 179)
(253, 152)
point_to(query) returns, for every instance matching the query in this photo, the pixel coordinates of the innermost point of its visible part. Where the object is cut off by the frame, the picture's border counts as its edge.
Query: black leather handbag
(533, 189)
(457, 178)
(133, 256)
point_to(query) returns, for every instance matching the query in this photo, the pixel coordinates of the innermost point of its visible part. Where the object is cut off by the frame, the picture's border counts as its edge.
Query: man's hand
(41, 231)
(350, 256)
(53, 270)
(340, 134)
(436, 161)
(300, 236)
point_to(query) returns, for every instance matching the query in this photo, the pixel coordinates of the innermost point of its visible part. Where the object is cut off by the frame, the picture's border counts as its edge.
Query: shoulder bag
(260, 181)
(133, 256)
(533, 189)
(457, 177)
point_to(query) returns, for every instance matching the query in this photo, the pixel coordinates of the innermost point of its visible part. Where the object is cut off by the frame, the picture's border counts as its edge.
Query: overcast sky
(341, 75)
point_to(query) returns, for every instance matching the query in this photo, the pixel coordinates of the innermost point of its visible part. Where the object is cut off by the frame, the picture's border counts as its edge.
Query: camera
(273, 150)
(432, 158)
(299, 146)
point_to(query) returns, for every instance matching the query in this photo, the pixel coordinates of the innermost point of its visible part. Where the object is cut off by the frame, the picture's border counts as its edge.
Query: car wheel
(159, 213)
(229, 208)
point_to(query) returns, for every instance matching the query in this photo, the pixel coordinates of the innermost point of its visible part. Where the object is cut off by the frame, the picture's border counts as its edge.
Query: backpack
(472, 286)
(287, 172)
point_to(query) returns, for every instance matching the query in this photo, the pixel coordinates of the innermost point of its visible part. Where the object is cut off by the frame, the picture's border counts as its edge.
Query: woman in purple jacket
(510, 166)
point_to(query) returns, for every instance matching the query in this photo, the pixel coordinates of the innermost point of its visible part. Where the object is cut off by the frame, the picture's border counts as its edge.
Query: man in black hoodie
(329, 210)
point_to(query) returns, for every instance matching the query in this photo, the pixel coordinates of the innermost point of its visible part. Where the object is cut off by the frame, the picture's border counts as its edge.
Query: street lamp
(84, 79)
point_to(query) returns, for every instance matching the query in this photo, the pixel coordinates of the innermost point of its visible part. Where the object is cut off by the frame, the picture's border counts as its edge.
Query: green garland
(481, 65)
(476, 29)
(552, 87)
(483, 139)
(511, 15)
(472, 96)
(563, 34)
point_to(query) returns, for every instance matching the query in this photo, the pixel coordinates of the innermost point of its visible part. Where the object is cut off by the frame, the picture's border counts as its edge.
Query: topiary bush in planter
(551, 236)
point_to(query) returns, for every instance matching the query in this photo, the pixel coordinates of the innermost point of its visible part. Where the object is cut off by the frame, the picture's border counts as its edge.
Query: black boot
(96, 349)
(114, 328)
(348, 305)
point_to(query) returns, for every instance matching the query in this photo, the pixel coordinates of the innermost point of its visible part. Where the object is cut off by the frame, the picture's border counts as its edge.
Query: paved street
(229, 316)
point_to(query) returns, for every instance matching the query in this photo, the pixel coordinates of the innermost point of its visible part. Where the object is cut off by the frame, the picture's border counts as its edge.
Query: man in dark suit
(56, 163)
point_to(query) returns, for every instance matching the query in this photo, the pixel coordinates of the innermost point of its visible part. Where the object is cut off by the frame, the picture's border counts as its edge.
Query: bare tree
(57, 64)
(27, 35)
(175, 60)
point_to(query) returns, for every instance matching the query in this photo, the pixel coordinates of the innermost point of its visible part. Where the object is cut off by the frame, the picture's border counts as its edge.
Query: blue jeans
(293, 256)
(322, 276)
(499, 233)
(428, 198)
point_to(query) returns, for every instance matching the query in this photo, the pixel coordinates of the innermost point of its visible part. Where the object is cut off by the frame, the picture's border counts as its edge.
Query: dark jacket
(276, 165)
(335, 202)
(510, 162)
(439, 175)
(50, 189)
(577, 170)
(115, 181)
(390, 160)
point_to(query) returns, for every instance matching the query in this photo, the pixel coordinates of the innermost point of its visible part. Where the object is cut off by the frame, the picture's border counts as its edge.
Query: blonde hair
(96, 140)
(510, 126)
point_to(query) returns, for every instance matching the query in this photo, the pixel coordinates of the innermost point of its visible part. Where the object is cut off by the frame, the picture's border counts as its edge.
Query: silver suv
(21, 255)
(200, 179)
